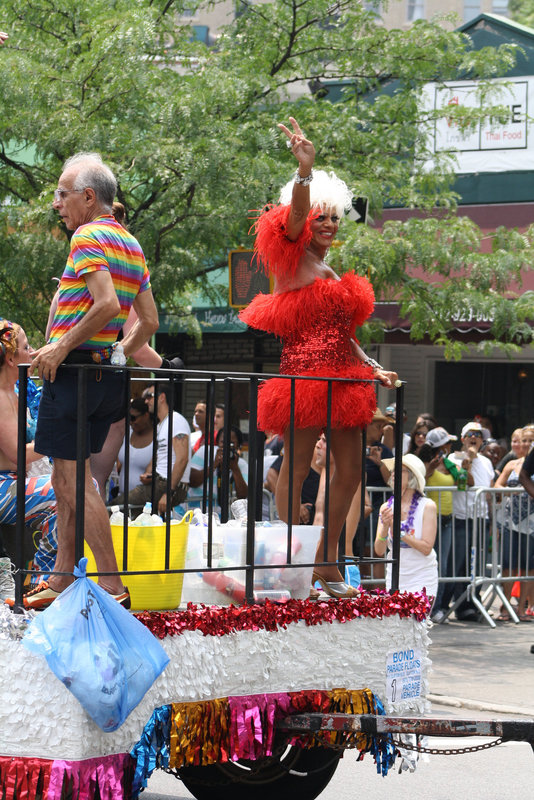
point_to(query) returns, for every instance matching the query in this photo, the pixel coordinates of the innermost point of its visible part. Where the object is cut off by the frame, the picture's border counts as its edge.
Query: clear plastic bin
(225, 585)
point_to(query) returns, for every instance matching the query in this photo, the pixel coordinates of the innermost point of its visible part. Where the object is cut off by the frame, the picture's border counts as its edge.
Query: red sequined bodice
(322, 345)
(316, 323)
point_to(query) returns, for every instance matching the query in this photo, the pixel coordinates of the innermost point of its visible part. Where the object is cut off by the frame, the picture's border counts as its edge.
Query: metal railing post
(397, 490)
(81, 435)
(21, 486)
(251, 495)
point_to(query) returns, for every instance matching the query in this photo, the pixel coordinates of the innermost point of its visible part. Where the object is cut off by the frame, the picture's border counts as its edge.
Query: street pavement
(484, 668)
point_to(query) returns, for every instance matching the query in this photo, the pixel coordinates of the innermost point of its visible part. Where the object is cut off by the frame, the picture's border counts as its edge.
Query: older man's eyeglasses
(60, 194)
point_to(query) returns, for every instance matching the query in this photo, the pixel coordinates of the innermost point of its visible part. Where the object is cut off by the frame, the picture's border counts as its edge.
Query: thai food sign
(495, 143)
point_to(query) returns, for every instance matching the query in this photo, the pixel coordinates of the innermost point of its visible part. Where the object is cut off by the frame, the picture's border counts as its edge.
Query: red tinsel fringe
(221, 620)
(23, 778)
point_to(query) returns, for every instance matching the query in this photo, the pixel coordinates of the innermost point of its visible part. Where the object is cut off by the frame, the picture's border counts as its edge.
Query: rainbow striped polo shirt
(100, 245)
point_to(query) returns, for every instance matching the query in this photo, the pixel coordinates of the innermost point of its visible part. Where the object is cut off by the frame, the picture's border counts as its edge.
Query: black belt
(89, 356)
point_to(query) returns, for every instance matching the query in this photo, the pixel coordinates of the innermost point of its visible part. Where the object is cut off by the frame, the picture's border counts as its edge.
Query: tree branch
(14, 165)
(179, 218)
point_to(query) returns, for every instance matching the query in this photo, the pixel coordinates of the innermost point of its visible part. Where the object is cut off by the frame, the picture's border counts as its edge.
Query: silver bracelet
(303, 181)
(370, 362)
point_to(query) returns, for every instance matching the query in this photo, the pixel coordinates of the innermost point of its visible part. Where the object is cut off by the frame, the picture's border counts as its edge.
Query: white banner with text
(501, 142)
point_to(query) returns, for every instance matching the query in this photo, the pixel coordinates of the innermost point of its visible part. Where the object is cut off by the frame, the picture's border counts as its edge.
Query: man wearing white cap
(466, 509)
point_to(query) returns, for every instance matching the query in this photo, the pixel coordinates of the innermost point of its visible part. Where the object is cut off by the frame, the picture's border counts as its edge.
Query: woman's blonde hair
(9, 334)
(327, 191)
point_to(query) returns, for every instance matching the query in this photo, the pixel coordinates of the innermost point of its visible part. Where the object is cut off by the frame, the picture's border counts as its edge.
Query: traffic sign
(246, 278)
(358, 212)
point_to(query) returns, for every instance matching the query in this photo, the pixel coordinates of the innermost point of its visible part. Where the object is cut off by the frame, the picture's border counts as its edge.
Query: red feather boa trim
(277, 254)
(295, 310)
(353, 404)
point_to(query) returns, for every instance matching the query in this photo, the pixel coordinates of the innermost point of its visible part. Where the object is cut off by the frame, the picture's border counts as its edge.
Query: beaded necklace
(407, 524)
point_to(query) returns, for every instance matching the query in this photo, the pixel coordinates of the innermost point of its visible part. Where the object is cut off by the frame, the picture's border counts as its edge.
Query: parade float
(255, 696)
(235, 673)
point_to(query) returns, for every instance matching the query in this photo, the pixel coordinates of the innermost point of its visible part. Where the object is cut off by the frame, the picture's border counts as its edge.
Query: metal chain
(351, 745)
(437, 751)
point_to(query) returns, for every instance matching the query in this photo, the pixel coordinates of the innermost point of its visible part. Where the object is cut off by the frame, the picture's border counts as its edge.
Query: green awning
(214, 319)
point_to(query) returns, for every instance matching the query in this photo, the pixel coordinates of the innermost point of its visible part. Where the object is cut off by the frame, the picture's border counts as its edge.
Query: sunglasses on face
(149, 394)
(473, 433)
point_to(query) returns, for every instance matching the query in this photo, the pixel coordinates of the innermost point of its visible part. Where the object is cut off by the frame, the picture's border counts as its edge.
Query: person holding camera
(470, 516)
(237, 466)
(418, 566)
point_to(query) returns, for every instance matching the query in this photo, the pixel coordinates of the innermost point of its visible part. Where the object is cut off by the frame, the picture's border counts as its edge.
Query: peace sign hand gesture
(302, 148)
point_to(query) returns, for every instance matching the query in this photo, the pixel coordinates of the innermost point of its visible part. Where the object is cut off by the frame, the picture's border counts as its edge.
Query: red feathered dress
(316, 323)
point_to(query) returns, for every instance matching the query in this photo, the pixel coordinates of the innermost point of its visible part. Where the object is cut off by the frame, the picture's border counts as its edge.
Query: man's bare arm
(146, 324)
(105, 306)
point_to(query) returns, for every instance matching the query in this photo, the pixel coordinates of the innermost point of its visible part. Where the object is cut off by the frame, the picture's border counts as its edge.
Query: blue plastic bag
(352, 575)
(103, 654)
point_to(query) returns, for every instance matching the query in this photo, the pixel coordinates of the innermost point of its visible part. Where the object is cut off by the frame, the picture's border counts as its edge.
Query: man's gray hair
(94, 175)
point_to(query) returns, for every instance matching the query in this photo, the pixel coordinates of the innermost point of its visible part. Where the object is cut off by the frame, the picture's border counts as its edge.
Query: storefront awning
(395, 323)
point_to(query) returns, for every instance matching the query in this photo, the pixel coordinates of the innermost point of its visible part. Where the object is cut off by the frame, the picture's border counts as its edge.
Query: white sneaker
(7, 584)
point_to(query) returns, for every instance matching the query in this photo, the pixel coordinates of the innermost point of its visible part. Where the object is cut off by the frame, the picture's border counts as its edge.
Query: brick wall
(222, 353)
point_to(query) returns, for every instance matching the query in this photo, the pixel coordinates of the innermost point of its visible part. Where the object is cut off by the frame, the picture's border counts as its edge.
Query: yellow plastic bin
(146, 551)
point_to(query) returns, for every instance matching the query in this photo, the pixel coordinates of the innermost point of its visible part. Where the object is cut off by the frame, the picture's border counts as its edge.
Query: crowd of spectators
(475, 457)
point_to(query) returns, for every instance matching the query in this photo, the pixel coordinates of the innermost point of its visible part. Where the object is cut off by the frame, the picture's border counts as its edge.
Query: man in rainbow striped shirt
(104, 276)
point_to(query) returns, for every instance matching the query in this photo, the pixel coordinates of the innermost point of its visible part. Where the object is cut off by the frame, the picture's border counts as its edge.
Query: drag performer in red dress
(315, 313)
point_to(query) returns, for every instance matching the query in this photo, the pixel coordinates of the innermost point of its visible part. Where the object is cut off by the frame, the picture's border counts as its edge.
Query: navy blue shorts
(57, 423)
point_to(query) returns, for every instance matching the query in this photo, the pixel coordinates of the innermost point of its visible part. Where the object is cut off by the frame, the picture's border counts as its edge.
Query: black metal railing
(178, 381)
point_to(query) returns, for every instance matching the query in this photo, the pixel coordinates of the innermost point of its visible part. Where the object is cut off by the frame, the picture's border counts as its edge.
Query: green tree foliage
(191, 133)
(522, 11)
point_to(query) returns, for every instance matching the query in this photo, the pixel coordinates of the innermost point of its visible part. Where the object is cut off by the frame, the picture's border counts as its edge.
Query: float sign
(403, 675)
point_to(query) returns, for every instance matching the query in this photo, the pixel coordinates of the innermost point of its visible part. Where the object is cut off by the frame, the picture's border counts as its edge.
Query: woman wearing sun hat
(418, 568)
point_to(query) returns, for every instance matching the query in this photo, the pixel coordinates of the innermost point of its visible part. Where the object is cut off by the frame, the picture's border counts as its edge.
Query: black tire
(265, 779)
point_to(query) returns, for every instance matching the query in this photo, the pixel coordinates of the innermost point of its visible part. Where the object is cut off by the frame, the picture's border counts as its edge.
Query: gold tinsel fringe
(344, 701)
(200, 732)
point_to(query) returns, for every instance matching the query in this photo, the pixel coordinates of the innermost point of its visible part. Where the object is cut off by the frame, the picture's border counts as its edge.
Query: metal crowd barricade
(485, 546)
(176, 379)
(373, 569)
(512, 539)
